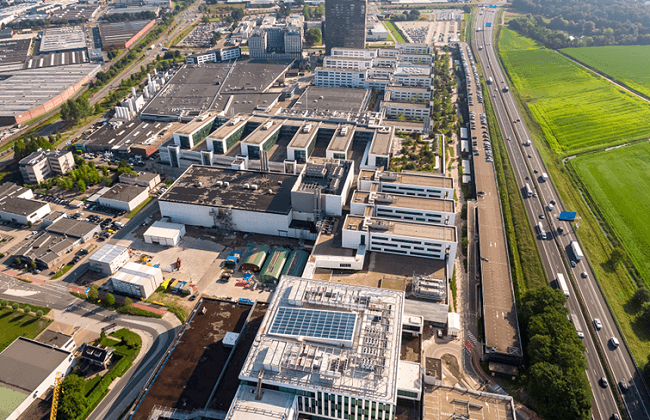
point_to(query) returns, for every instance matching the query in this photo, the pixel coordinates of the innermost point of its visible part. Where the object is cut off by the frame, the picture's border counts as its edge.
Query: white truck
(562, 284)
(577, 251)
(576, 325)
(542, 232)
(489, 80)
(544, 176)
(528, 191)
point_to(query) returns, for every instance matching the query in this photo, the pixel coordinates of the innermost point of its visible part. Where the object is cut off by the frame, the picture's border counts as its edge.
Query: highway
(555, 250)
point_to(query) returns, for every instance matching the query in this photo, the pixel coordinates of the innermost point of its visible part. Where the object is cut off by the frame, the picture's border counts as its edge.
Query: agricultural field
(625, 63)
(618, 180)
(576, 109)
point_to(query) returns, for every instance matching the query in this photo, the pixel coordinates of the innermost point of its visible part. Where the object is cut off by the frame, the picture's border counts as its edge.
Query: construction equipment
(55, 394)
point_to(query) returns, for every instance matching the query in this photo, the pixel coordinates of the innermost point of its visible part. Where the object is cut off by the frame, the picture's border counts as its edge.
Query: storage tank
(255, 258)
(273, 266)
(295, 264)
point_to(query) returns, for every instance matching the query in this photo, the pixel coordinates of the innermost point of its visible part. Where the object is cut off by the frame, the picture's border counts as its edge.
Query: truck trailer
(577, 251)
(562, 284)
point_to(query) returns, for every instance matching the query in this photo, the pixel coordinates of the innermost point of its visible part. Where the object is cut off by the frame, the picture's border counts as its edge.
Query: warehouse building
(404, 207)
(16, 205)
(55, 216)
(42, 164)
(123, 34)
(137, 280)
(142, 179)
(417, 184)
(108, 259)
(29, 368)
(62, 39)
(164, 233)
(27, 94)
(124, 197)
(78, 229)
(328, 350)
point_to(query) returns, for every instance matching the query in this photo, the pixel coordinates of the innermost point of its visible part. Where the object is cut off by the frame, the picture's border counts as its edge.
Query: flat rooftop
(405, 228)
(408, 202)
(62, 39)
(346, 340)
(195, 124)
(441, 402)
(405, 104)
(20, 206)
(22, 90)
(71, 227)
(411, 70)
(74, 13)
(27, 363)
(199, 185)
(53, 338)
(272, 405)
(334, 99)
(112, 136)
(304, 135)
(119, 33)
(342, 138)
(407, 89)
(123, 192)
(191, 91)
(382, 142)
(230, 127)
(56, 59)
(263, 132)
(423, 179)
(13, 53)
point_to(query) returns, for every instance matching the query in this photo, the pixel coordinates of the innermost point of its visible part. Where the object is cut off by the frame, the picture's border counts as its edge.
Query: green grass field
(577, 109)
(625, 63)
(14, 324)
(395, 33)
(619, 181)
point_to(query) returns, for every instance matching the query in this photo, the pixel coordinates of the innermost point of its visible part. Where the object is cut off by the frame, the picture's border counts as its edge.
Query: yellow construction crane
(55, 395)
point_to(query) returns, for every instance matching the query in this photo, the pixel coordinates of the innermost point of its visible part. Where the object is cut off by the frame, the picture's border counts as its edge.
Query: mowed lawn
(619, 181)
(626, 63)
(14, 324)
(577, 109)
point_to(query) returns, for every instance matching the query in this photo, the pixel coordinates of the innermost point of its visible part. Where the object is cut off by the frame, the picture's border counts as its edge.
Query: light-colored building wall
(123, 205)
(354, 52)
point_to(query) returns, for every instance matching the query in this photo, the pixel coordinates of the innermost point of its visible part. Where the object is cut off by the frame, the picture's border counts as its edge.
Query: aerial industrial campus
(244, 210)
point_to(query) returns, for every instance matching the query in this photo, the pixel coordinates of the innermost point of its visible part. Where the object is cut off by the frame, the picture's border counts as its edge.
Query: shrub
(15, 306)
(39, 314)
(3, 303)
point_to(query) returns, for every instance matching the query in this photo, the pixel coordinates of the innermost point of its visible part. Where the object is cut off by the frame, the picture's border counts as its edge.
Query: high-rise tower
(345, 24)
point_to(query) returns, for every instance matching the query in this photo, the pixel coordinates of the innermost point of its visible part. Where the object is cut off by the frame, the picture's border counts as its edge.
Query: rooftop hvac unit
(306, 128)
(254, 187)
(246, 186)
(344, 131)
(267, 125)
(219, 183)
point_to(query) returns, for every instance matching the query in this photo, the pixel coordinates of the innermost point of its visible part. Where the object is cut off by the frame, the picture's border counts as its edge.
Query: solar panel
(312, 323)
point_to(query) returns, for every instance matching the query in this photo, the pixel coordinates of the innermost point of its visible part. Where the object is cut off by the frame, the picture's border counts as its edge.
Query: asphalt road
(555, 250)
(157, 335)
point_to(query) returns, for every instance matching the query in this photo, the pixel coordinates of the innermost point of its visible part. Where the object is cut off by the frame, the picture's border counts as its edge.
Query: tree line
(126, 17)
(555, 378)
(592, 22)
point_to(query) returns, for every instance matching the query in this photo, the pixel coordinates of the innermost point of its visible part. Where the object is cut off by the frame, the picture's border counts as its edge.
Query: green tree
(306, 11)
(107, 181)
(93, 294)
(205, 19)
(616, 257)
(3, 303)
(128, 302)
(73, 401)
(18, 262)
(237, 14)
(81, 185)
(110, 299)
(313, 37)
(400, 117)
(414, 14)
(319, 12)
(641, 296)
(39, 313)
(15, 306)
(32, 265)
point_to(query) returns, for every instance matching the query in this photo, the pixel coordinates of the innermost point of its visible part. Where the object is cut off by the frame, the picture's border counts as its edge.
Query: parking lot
(201, 36)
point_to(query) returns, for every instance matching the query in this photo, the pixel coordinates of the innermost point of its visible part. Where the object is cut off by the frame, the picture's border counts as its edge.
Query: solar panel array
(314, 323)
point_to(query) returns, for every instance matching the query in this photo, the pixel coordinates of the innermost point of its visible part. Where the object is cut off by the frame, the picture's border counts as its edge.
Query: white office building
(137, 280)
(330, 351)
(403, 207)
(418, 184)
(108, 259)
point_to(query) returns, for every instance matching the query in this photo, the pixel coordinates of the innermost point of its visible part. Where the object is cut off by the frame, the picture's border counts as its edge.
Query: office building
(345, 24)
(137, 280)
(327, 350)
(108, 259)
(42, 164)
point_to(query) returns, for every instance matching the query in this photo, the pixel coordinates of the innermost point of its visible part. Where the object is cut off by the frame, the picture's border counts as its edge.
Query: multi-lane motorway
(555, 249)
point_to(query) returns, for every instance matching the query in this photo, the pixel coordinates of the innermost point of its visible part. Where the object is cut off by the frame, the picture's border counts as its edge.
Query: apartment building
(42, 164)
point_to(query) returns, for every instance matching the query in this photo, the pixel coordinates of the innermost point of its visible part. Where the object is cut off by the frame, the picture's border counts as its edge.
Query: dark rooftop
(130, 133)
(200, 185)
(120, 32)
(13, 53)
(123, 192)
(53, 338)
(27, 363)
(45, 248)
(72, 227)
(21, 206)
(334, 99)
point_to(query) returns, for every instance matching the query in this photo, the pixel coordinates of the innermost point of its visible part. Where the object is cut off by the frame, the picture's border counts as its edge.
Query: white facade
(453, 324)
(129, 205)
(354, 52)
(416, 58)
(417, 184)
(405, 239)
(13, 213)
(412, 48)
(347, 63)
(108, 259)
(401, 93)
(332, 77)
(164, 233)
(394, 207)
(413, 80)
(408, 110)
(137, 280)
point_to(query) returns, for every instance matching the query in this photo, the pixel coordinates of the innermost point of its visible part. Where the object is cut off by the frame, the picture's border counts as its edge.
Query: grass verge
(140, 207)
(395, 33)
(14, 324)
(61, 272)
